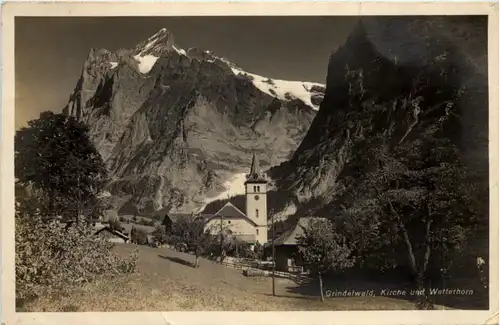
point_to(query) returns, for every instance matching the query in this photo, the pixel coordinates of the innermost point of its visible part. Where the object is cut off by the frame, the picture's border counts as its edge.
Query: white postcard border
(12, 9)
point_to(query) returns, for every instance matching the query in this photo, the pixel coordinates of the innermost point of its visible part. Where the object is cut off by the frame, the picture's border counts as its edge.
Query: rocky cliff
(174, 126)
(393, 78)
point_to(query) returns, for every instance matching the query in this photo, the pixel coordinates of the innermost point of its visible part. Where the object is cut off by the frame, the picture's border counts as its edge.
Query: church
(248, 223)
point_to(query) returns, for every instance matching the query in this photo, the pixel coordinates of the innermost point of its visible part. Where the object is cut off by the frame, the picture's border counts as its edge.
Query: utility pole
(272, 247)
(221, 218)
(221, 240)
(79, 199)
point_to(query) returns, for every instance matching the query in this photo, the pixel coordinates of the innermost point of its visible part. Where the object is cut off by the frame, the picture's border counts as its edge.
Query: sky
(50, 51)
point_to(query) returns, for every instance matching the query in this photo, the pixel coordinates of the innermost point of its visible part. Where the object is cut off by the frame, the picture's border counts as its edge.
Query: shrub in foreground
(52, 257)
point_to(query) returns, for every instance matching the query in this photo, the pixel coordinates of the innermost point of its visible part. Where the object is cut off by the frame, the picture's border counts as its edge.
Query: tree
(239, 248)
(159, 234)
(421, 202)
(225, 241)
(280, 226)
(138, 236)
(55, 155)
(259, 251)
(323, 249)
(191, 232)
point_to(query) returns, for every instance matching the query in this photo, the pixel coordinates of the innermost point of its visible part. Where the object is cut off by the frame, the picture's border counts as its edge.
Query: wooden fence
(233, 265)
(254, 268)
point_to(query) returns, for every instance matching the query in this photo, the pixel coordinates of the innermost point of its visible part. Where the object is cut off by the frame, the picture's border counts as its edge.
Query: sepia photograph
(252, 163)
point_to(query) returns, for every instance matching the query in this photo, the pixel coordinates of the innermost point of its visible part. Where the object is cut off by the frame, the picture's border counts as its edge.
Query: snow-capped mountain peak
(309, 93)
(157, 44)
(147, 53)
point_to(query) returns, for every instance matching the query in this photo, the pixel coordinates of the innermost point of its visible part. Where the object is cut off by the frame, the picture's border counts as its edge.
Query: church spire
(255, 174)
(254, 169)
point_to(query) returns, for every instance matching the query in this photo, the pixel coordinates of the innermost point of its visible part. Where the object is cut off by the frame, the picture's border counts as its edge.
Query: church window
(257, 231)
(256, 213)
(255, 188)
(258, 188)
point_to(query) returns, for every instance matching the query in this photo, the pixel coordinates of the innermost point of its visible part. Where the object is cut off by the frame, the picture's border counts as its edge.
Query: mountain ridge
(393, 88)
(432, 90)
(174, 125)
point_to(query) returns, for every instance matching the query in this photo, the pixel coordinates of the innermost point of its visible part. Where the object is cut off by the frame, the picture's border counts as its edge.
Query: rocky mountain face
(173, 125)
(393, 78)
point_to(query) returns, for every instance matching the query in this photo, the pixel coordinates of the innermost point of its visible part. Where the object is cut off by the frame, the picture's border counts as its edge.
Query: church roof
(238, 201)
(228, 211)
(255, 175)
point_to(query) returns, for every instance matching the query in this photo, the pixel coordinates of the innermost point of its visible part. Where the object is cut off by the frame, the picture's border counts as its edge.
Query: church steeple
(255, 175)
(256, 200)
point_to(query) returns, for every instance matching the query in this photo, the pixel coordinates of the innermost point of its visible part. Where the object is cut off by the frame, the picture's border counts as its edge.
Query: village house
(170, 218)
(286, 250)
(102, 229)
(112, 235)
(248, 223)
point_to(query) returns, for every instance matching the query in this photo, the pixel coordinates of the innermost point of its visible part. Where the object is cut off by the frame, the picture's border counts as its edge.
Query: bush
(138, 236)
(159, 235)
(241, 249)
(52, 257)
(259, 251)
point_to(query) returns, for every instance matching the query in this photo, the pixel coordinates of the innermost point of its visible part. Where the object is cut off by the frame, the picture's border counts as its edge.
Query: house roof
(290, 236)
(176, 216)
(98, 226)
(172, 215)
(114, 232)
(128, 228)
